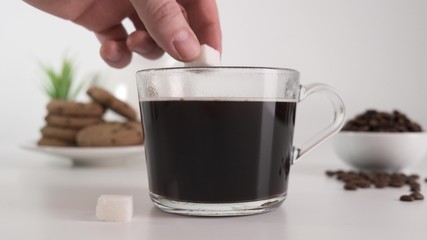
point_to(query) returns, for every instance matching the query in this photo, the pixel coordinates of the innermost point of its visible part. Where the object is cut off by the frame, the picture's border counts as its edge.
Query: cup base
(217, 209)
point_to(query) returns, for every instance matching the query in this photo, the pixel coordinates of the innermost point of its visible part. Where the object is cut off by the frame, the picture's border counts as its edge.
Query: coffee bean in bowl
(381, 141)
(375, 121)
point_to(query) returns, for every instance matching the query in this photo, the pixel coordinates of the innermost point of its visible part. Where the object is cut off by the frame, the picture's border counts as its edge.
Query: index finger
(204, 21)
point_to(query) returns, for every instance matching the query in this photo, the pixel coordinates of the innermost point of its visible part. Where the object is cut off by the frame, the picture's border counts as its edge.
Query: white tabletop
(44, 197)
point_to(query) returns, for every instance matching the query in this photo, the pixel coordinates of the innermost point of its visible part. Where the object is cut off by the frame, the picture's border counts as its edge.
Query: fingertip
(115, 54)
(142, 43)
(186, 45)
(166, 22)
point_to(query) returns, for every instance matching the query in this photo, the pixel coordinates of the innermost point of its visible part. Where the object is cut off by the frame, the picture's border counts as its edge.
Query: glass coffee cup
(219, 140)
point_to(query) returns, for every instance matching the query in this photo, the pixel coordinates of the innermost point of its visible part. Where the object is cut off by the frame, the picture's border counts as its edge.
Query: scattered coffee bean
(355, 180)
(415, 187)
(410, 180)
(375, 121)
(414, 176)
(417, 196)
(330, 173)
(406, 198)
(350, 187)
(362, 183)
(380, 184)
(396, 183)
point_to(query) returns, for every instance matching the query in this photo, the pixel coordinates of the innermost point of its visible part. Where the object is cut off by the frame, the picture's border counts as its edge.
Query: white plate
(91, 155)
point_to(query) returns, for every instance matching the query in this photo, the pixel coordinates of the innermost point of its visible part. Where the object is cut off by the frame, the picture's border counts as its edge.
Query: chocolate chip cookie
(111, 134)
(71, 122)
(72, 108)
(65, 134)
(106, 99)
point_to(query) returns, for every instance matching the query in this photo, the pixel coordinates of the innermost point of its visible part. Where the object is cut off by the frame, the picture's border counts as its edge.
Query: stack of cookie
(70, 123)
(66, 118)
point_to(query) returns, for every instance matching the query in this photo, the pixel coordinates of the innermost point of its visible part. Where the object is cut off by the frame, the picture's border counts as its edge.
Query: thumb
(166, 24)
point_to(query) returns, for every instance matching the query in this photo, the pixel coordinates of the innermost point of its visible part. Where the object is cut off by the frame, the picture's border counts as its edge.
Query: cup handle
(329, 131)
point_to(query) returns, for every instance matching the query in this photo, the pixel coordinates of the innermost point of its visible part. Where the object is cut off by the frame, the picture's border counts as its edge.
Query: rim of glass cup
(220, 67)
(238, 83)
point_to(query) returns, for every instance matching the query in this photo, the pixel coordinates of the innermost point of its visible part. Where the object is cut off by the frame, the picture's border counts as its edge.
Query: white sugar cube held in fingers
(114, 208)
(208, 57)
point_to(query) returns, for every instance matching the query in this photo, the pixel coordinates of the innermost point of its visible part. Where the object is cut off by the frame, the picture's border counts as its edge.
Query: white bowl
(377, 151)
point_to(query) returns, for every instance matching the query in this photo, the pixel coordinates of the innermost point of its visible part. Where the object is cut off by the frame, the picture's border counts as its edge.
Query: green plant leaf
(59, 84)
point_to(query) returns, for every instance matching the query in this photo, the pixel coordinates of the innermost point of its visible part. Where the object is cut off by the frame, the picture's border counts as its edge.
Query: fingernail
(114, 56)
(186, 45)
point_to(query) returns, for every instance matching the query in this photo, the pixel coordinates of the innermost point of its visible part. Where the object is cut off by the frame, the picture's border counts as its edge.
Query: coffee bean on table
(396, 183)
(381, 184)
(362, 184)
(415, 187)
(355, 180)
(414, 176)
(350, 187)
(417, 196)
(409, 181)
(406, 198)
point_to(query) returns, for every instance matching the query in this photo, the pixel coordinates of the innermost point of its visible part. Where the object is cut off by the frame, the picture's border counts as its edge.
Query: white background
(374, 52)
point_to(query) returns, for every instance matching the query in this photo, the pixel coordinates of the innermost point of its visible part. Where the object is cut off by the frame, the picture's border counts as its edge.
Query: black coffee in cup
(218, 151)
(218, 140)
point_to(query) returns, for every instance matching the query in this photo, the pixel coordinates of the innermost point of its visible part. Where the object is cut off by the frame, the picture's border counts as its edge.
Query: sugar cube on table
(114, 208)
(208, 57)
